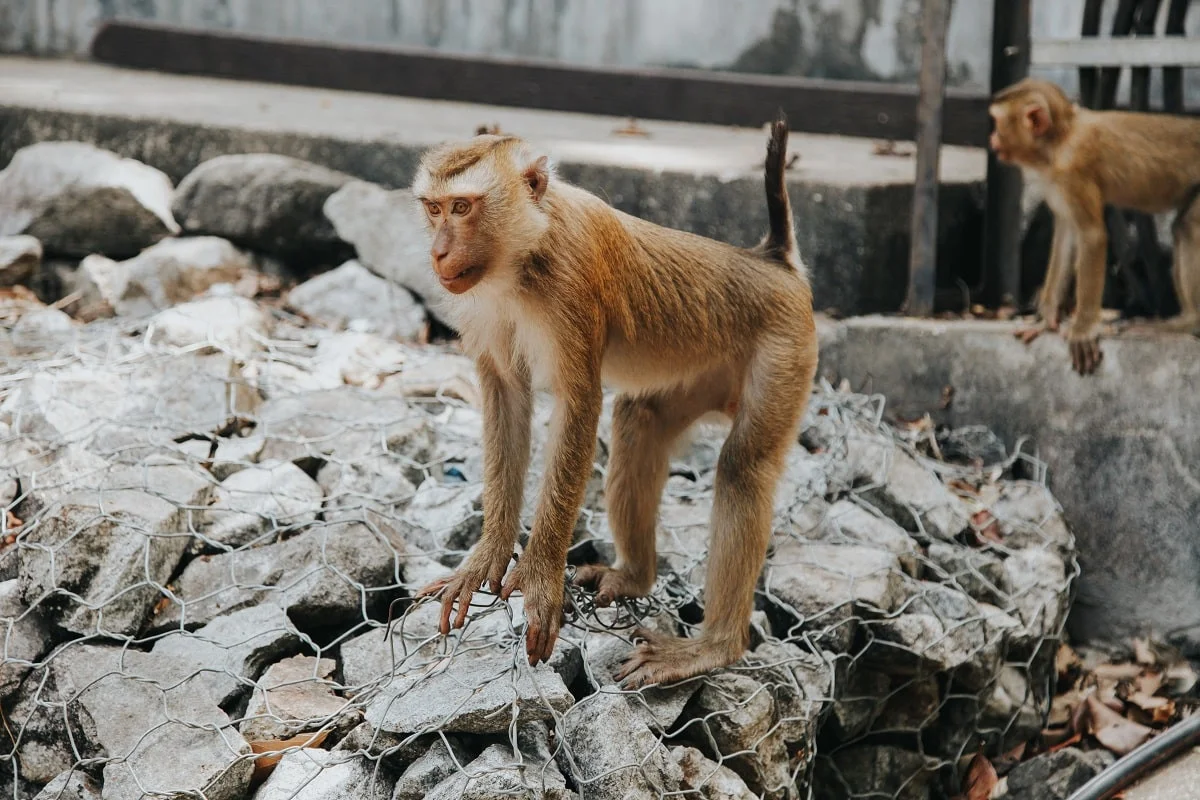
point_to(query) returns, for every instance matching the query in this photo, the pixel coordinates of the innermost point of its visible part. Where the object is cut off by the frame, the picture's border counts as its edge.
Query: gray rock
(24, 636)
(634, 765)
(331, 573)
(498, 772)
(268, 203)
(859, 703)
(801, 684)
(979, 573)
(171, 272)
(45, 330)
(351, 295)
(226, 324)
(708, 779)
(294, 696)
(912, 706)
(112, 553)
(1056, 776)
(439, 764)
(389, 231)
(439, 374)
(1030, 517)
(228, 654)
(606, 645)
(314, 774)
(98, 281)
(860, 771)
(20, 257)
(850, 522)
(234, 453)
(470, 695)
(78, 199)
(164, 737)
(451, 515)
(379, 482)
(1038, 579)
(915, 497)
(737, 716)
(71, 785)
(267, 498)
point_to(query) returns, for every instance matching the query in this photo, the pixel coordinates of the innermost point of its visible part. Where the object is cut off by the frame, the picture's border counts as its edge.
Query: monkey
(1086, 159)
(552, 288)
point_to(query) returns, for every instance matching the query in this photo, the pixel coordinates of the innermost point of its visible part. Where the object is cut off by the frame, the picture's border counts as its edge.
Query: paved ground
(1179, 780)
(700, 149)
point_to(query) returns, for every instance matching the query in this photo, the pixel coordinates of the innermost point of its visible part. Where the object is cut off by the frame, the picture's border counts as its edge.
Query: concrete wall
(863, 39)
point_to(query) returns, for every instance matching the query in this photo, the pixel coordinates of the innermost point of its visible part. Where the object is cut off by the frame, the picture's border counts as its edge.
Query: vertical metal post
(922, 261)
(1002, 224)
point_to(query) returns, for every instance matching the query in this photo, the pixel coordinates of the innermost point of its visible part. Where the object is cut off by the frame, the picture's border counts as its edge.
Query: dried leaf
(1180, 678)
(1117, 672)
(12, 521)
(1070, 741)
(1066, 661)
(1142, 653)
(980, 779)
(1115, 732)
(1063, 707)
(273, 748)
(1148, 683)
(1010, 759)
(1147, 702)
(631, 128)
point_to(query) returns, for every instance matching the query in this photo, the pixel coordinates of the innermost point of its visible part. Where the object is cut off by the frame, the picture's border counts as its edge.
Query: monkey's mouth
(461, 281)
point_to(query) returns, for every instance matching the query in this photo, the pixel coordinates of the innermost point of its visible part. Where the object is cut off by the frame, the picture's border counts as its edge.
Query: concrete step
(851, 204)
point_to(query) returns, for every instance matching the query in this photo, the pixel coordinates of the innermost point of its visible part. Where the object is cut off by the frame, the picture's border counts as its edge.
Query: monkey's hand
(612, 584)
(1084, 343)
(540, 582)
(1048, 322)
(484, 565)
(665, 659)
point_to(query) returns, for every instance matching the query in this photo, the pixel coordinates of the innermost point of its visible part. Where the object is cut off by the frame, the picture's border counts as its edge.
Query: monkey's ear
(537, 175)
(1038, 118)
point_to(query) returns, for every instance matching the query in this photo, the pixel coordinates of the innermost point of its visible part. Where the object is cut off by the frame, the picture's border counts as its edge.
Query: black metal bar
(1002, 225)
(1110, 77)
(1089, 77)
(1139, 82)
(851, 108)
(922, 262)
(1173, 76)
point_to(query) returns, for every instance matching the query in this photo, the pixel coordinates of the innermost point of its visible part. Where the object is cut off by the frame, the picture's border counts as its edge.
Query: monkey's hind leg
(644, 429)
(1186, 275)
(773, 401)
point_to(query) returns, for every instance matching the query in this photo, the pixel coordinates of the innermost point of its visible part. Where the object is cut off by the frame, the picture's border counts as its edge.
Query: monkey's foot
(542, 589)
(1030, 332)
(1086, 354)
(611, 584)
(666, 659)
(480, 567)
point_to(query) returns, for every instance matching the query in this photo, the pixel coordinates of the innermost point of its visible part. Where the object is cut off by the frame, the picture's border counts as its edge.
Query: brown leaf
(1115, 732)
(1063, 707)
(980, 779)
(1117, 672)
(1142, 653)
(1065, 743)
(631, 128)
(1066, 661)
(273, 748)
(1010, 759)
(12, 521)
(1148, 683)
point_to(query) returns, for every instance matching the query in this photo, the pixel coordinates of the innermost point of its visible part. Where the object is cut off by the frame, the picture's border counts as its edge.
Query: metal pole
(1002, 224)
(922, 262)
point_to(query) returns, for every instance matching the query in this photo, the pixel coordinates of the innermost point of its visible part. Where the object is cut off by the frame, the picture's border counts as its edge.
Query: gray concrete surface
(851, 206)
(1123, 446)
(1178, 780)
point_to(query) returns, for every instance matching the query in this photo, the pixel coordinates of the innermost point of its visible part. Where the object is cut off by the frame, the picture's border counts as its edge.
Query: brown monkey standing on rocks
(1086, 159)
(551, 287)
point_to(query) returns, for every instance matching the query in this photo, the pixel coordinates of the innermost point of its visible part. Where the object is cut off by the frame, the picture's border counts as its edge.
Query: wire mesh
(208, 555)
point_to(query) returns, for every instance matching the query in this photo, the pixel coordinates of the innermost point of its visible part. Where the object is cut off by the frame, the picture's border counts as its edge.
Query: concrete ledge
(1123, 446)
(851, 205)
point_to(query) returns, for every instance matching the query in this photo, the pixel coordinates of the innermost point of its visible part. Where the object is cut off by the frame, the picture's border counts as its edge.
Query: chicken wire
(208, 555)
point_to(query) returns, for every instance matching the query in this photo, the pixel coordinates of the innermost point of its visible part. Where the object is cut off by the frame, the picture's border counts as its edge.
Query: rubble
(20, 256)
(350, 296)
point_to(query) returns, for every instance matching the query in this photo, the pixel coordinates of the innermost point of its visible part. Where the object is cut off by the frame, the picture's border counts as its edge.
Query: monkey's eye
(433, 208)
(460, 207)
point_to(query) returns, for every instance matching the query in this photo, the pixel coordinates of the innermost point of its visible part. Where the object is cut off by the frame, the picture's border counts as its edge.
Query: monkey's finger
(464, 605)
(432, 588)
(447, 609)
(648, 636)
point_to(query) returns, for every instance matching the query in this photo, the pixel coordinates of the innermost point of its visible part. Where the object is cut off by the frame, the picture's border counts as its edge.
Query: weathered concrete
(1179, 780)
(851, 206)
(1122, 447)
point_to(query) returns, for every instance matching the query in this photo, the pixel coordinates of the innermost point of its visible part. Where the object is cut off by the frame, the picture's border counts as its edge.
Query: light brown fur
(1086, 159)
(563, 291)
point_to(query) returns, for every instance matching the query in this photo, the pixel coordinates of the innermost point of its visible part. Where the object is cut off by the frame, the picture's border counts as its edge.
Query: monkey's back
(1146, 162)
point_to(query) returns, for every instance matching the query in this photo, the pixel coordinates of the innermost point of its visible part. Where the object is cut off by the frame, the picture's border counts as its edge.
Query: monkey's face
(460, 248)
(1018, 131)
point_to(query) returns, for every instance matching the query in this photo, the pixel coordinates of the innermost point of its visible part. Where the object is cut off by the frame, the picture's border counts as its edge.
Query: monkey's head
(1028, 118)
(483, 201)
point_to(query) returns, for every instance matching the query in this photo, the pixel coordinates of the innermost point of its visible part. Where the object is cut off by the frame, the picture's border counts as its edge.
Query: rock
(917, 500)
(708, 779)
(294, 696)
(166, 737)
(851, 522)
(860, 702)
(127, 410)
(332, 573)
(451, 515)
(377, 482)
(1038, 579)
(912, 706)
(868, 770)
(634, 765)
(267, 498)
(357, 359)
(1006, 713)
(1030, 517)
(352, 295)
(98, 281)
(470, 695)
(20, 257)
(979, 573)
(439, 764)
(498, 773)
(24, 636)
(223, 324)
(440, 375)
(801, 684)
(265, 202)
(228, 652)
(73, 784)
(607, 644)
(78, 199)
(314, 774)
(736, 715)
(1056, 776)
(47, 330)
(171, 272)
(111, 553)
(234, 453)
(391, 236)
(826, 586)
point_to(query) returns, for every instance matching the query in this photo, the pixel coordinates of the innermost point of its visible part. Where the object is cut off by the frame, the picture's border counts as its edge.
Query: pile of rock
(217, 504)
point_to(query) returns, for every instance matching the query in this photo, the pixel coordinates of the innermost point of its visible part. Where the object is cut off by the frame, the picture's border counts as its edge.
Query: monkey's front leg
(1083, 338)
(1053, 293)
(539, 575)
(507, 411)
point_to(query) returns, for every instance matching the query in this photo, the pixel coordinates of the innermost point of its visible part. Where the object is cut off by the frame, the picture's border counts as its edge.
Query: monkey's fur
(1086, 159)
(552, 287)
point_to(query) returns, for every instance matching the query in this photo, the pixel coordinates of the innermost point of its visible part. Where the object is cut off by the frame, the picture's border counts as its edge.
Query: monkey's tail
(780, 242)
